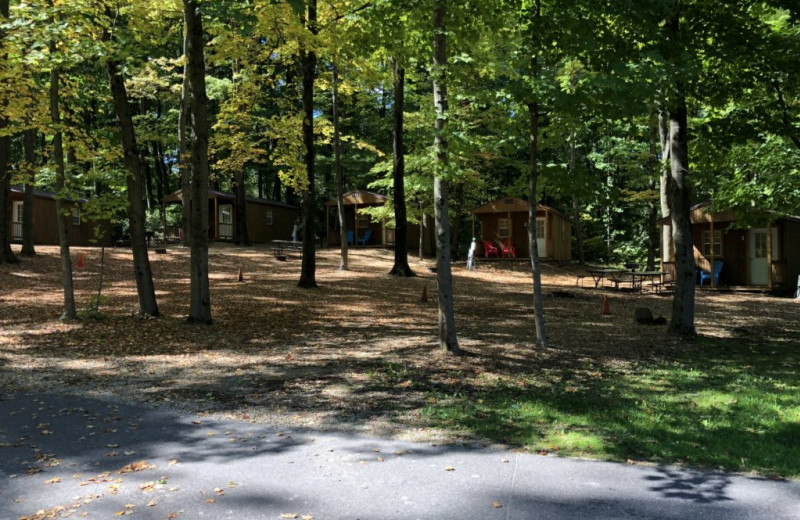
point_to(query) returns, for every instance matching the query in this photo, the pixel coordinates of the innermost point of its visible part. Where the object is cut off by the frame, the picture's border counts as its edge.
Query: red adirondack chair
(509, 249)
(489, 249)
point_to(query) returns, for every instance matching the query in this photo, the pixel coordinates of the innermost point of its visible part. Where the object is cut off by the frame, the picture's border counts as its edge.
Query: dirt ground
(358, 353)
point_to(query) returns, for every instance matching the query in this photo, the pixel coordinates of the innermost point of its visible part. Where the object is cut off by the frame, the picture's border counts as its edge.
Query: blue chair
(351, 237)
(705, 275)
(364, 239)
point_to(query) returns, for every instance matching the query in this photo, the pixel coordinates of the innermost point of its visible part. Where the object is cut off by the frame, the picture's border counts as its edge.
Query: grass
(719, 406)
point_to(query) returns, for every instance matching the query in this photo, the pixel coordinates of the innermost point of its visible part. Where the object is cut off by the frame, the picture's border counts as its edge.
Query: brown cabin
(267, 220)
(743, 251)
(508, 218)
(382, 232)
(80, 230)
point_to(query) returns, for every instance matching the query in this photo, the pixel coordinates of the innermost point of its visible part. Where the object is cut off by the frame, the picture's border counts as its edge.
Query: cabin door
(759, 267)
(541, 237)
(225, 221)
(16, 220)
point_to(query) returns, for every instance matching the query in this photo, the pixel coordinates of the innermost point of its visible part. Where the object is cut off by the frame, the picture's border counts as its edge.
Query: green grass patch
(720, 406)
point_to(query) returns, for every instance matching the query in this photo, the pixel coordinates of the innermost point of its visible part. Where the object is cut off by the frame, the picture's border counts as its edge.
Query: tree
(200, 301)
(400, 267)
(444, 277)
(134, 181)
(337, 160)
(6, 254)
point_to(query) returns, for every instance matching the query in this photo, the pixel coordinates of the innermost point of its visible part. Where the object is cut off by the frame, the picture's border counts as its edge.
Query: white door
(225, 221)
(541, 237)
(759, 267)
(16, 220)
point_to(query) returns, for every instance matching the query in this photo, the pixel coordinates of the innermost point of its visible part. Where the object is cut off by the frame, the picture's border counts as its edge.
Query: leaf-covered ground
(360, 353)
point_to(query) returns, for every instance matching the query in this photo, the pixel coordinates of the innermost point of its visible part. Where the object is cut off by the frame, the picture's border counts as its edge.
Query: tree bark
(652, 207)
(400, 267)
(308, 63)
(200, 300)
(444, 277)
(142, 272)
(183, 152)
(576, 206)
(663, 133)
(6, 254)
(58, 158)
(536, 266)
(242, 237)
(337, 166)
(29, 144)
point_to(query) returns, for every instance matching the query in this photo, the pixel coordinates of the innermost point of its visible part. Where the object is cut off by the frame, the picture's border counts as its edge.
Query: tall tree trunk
(308, 63)
(533, 180)
(242, 236)
(536, 266)
(337, 166)
(400, 267)
(142, 272)
(200, 300)
(664, 171)
(577, 228)
(6, 254)
(444, 277)
(29, 143)
(652, 207)
(183, 152)
(682, 322)
(58, 158)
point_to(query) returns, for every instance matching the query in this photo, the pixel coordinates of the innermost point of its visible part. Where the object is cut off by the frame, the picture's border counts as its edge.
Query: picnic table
(613, 275)
(655, 278)
(281, 248)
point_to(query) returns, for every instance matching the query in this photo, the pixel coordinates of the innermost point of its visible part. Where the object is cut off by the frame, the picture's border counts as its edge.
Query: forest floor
(360, 354)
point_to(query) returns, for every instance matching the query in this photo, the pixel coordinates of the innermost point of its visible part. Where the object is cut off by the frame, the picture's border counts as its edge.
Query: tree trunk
(444, 277)
(143, 274)
(183, 152)
(308, 59)
(337, 165)
(29, 143)
(400, 267)
(536, 266)
(652, 207)
(6, 254)
(242, 237)
(200, 301)
(576, 206)
(58, 158)
(664, 169)
(682, 322)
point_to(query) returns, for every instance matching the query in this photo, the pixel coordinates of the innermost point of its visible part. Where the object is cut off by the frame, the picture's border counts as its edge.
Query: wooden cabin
(508, 218)
(382, 232)
(743, 251)
(267, 220)
(80, 230)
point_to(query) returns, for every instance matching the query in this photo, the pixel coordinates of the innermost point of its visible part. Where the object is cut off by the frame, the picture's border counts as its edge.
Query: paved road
(100, 460)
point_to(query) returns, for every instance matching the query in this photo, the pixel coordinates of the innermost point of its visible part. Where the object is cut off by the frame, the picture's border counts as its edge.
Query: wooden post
(355, 224)
(769, 256)
(216, 217)
(508, 240)
(328, 225)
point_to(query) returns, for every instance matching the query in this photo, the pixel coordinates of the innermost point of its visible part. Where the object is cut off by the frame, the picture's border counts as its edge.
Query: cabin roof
(700, 214)
(359, 197)
(511, 204)
(176, 197)
(42, 194)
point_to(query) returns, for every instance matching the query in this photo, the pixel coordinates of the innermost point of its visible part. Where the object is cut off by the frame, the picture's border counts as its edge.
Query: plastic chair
(364, 239)
(351, 237)
(509, 249)
(705, 275)
(489, 249)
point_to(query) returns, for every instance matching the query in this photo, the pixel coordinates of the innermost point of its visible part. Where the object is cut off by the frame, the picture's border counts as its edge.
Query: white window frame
(76, 215)
(503, 228)
(707, 245)
(268, 219)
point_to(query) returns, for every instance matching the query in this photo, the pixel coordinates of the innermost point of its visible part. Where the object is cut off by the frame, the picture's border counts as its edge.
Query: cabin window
(268, 219)
(76, 216)
(363, 221)
(716, 244)
(503, 228)
(539, 228)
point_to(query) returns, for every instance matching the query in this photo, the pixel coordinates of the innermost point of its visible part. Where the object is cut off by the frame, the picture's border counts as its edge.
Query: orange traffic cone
(606, 309)
(240, 278)
(81, 261)
(424, 296)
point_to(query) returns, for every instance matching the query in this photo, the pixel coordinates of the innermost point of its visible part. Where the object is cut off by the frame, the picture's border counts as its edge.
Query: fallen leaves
(54, 480)
(135, 466)
(449, 468)
(497, 504)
